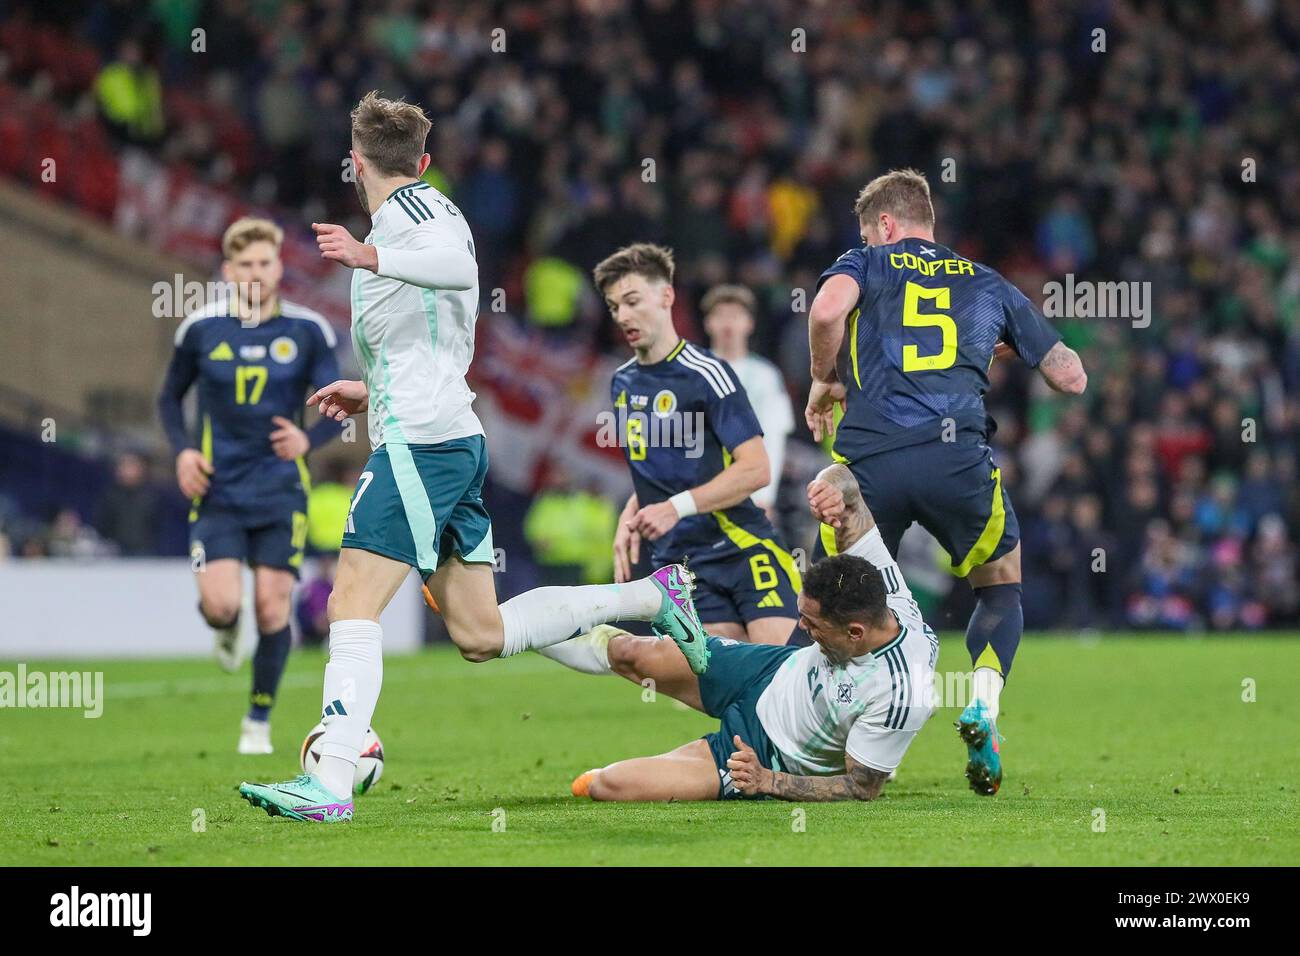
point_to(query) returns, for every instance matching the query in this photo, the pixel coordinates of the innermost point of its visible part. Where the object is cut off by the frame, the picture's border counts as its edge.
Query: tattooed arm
(858, 782)
(1062, 370)
(835, 499)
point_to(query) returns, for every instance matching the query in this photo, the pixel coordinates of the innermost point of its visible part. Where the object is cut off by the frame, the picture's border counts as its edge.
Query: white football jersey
(767, 394)
(415, 345)
(815, 711)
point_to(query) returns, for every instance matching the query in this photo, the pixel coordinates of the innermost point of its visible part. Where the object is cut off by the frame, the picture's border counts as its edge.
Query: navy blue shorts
(270, 540)
(952, 489)
(729, 690)
(761, 581)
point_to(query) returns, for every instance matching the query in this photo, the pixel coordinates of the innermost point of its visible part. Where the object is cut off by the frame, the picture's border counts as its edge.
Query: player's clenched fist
(340, 399)
(747, 775)
(192, 470)
(336, 243)
(826, 502)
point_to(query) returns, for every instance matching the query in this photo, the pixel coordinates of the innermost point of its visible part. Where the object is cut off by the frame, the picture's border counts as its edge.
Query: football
(369, 768)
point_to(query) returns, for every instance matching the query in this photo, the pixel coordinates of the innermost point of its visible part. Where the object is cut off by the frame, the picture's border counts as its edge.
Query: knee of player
(344, 606)
(477, 654)
(272, 612)
(334, 606)
(219, 612)
(628, 655)
(476, 645)
(622, 658)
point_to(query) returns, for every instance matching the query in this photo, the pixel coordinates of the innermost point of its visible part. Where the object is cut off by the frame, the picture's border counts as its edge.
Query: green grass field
(1152, 731)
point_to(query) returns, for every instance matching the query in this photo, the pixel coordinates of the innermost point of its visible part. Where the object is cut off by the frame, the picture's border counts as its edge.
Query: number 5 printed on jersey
(914, 318)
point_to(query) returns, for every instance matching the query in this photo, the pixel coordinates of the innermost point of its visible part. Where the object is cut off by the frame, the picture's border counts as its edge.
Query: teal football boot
(983, 757)
(677, 617)
(303, 798)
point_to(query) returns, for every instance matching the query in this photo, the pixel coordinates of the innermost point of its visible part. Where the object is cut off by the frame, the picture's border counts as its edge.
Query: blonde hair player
(924, 324)
(251, 356)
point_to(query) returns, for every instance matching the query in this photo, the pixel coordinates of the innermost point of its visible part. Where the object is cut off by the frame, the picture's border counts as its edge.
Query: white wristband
(684, 504)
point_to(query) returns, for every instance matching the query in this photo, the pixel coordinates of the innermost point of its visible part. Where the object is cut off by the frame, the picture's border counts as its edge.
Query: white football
(369, 768)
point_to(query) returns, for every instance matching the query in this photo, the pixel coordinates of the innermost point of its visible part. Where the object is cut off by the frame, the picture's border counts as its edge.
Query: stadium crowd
(1163, 149)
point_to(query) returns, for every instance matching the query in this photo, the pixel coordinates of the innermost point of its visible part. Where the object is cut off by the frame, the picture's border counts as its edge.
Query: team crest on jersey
(665, 403)
(844, 693)
(284, 350)
(252, 353)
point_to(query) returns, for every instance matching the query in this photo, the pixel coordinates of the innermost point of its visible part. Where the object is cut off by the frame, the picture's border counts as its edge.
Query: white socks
(353, 676)
(545, 616)
(986, 686)
(588, 653)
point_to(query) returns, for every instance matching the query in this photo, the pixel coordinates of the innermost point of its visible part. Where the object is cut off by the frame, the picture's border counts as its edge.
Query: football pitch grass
(1124, 750)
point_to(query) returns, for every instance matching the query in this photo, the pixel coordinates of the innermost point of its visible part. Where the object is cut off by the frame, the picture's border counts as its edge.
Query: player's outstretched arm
(1062, 369)
(446, 267)
(449, 268)
(858, 782)
(338, 245)
(836, 500)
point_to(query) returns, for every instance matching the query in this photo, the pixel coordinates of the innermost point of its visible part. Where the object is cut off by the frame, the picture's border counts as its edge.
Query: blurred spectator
(1273, 570)
(128, 511)
(1165, 596)
(70, 537)
(129, 93)
(571, 532)
(311, 603)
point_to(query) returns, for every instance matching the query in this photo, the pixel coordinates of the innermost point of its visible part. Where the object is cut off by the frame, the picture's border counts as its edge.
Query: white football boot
(254, 736)
(232, 645)
(225, 644)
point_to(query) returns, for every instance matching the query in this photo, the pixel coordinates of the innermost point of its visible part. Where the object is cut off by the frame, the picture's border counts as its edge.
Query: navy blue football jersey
(679, 419)
(245, 376)
(921, 342)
